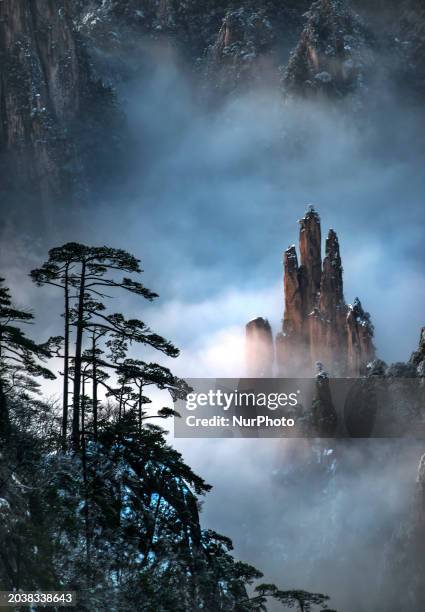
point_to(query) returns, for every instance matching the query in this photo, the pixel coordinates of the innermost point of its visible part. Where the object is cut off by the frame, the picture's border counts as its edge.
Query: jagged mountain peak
(318, 325)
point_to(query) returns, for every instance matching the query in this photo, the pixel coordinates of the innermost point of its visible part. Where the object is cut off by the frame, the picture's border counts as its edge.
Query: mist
(210, 204)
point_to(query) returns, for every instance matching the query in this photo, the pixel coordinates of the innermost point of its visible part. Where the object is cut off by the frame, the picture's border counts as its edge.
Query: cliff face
(39, 87)
(318, 326)
(46, 90)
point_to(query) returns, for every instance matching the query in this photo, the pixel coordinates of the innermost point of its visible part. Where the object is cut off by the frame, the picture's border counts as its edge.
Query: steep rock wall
(47, 98)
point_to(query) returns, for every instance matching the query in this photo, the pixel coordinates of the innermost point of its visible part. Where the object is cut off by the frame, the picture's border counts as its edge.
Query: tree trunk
(4, 412)
(66, 364)
(94, 366)
(120, 403)
(140, 408)
(4, 415)
(77, 364)
(85, 480)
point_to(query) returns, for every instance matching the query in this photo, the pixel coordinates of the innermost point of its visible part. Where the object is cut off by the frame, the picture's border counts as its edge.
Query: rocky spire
(327, 321)
(302, 320)
(331, 284)
(317, 324)
(291, 343)
(418, 357)
(360, 348)
(311, 258)
(259, 349)
(293, 293)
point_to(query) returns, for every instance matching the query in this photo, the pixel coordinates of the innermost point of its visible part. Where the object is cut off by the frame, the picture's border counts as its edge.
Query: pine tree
(19, 355)
(84, 274)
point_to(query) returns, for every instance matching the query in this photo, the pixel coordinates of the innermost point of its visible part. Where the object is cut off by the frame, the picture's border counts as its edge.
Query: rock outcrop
(243, 47)
(259, 349)
(333, 54)
(254, 41)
